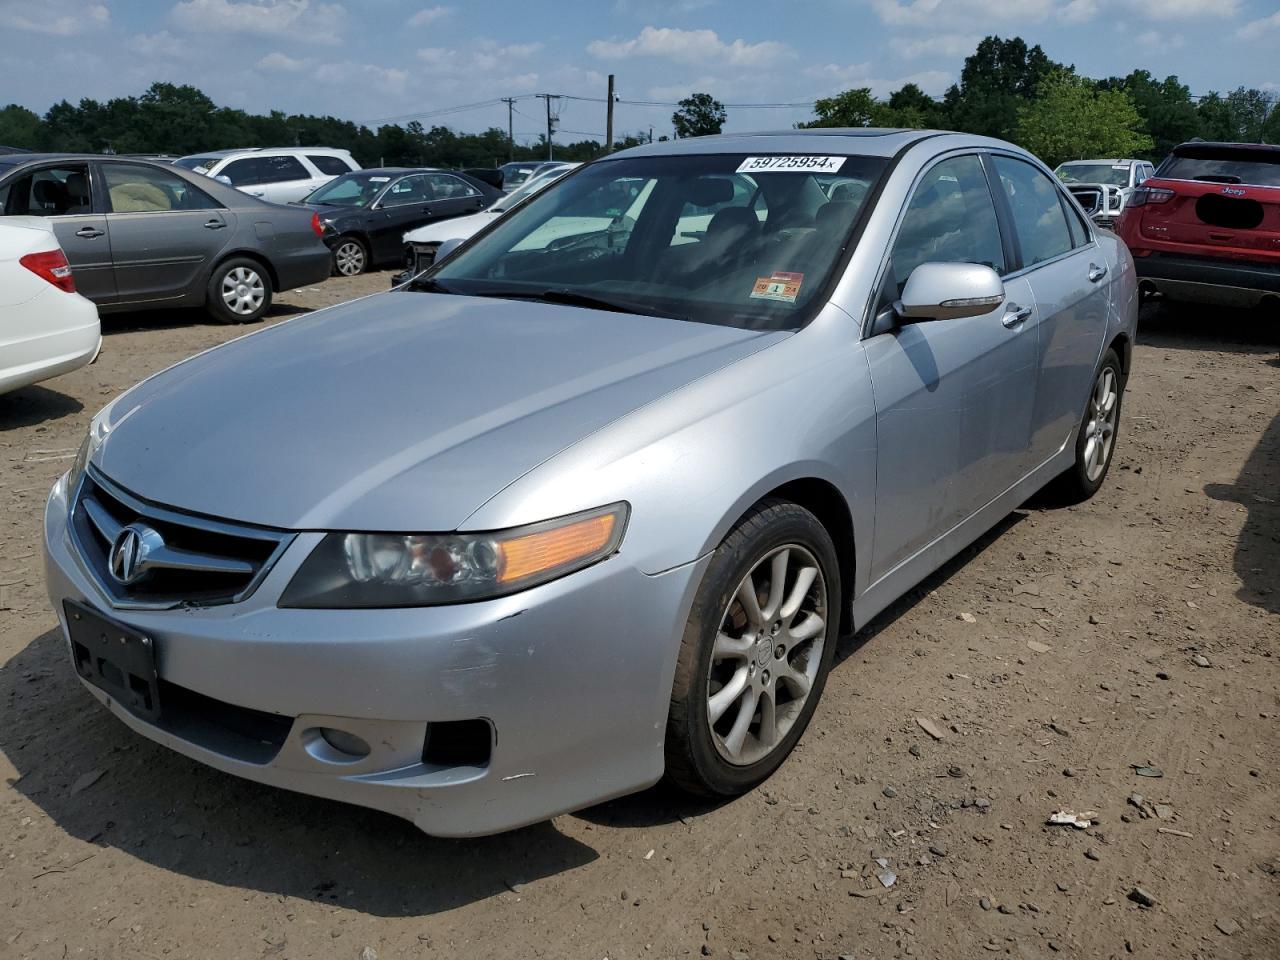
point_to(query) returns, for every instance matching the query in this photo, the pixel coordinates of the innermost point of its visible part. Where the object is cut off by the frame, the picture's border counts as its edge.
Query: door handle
(214, 224)
(89, 232)
(1015, 316)
(1096, 272)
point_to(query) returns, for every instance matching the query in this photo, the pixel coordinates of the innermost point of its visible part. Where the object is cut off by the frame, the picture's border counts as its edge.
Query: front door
(1066, 271)
(164, 231)
(64, 194)
(953, 397)
(403, 205)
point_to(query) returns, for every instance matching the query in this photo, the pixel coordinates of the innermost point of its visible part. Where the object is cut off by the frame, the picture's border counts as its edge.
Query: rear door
(452, 196)
(65, 194)
(953, 397)
(164, 231)
(1070, 282)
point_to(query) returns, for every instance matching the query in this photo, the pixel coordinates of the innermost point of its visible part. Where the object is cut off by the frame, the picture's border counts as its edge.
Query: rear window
(333, 166)
(1223, 165)
(198, 164)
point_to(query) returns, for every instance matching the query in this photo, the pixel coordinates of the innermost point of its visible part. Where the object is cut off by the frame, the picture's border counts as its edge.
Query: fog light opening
(335, 746)
(458, 743)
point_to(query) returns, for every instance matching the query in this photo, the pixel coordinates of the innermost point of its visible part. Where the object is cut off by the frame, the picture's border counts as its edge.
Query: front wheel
(350, 257)
(239, 291)
(1096, 440)
(756, 652)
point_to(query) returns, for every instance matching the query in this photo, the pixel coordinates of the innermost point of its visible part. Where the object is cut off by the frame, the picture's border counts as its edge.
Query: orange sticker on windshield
(784, 287)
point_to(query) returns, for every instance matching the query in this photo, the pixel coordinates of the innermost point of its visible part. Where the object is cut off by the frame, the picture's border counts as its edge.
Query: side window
(133, 188)
(1139, 173)
(951, 217)
(49, 192)
(1076, 223)
(283, 169)
(1037, 212)
(329, 166)
(245, 172)
(445, 187)
(406, 190)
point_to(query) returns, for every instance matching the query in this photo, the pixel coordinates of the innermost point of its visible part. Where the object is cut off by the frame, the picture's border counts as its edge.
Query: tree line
(1006, 90)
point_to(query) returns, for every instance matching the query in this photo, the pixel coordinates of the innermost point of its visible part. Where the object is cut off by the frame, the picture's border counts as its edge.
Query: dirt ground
(1064, 650)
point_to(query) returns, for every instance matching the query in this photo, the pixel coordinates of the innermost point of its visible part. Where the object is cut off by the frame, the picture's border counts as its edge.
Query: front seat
(52, 197)
(732, 232)
(78, 194)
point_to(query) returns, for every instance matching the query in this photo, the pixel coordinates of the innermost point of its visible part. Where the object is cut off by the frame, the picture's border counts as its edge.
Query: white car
(46, 328)
(275, 174)
(421, 244)
(1103, 187)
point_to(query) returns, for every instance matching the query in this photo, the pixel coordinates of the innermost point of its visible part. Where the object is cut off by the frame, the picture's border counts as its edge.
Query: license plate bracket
(115, 659)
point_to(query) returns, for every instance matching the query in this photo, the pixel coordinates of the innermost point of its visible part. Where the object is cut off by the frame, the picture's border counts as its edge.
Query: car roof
(221, 154)
(1100, 161)
(865, 141)
(1225, 145)
(25, 158)
(394, 171)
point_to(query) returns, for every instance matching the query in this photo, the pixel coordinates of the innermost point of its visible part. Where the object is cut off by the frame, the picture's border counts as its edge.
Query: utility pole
(551, 128)
(608, 122)
(511, 138)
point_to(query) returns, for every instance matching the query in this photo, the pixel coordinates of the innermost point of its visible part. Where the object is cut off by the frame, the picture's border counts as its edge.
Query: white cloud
(283, 63)
(1158, 41)
(59, 18)
(387, 80)
(428, 15)
(304, 20)
(487, 56)
(930, 13)
(162, 44)
(690, 46)
(1187, 9)
(1078, 11)
(1260, 27)
(944, 45)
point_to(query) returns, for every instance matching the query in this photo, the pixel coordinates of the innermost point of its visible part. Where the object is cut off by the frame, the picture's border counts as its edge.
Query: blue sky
(376, 59)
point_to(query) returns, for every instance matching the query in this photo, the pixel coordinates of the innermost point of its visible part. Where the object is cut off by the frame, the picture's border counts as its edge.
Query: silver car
(593, 500)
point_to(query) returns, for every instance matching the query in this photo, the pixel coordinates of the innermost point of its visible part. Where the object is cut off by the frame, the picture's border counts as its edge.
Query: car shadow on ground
(1257, 489)
(1193, 326)
(663, 804)
(142, 320)
(177, 814)
(34, 405)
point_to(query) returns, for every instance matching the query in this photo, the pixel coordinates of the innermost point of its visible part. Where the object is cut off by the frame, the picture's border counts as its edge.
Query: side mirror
(223, 179)
(447, 248)
(949, 291)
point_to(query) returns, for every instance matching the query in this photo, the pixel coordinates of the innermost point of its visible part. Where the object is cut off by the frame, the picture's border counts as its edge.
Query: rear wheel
(239, 291)
(756, 652)
(350, 257)
(1096, 440)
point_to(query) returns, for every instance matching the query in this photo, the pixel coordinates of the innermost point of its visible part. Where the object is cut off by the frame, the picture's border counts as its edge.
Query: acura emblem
(129, 554)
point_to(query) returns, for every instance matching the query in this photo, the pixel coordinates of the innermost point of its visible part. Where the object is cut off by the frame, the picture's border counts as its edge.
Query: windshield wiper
(429, 284)
(573, 298)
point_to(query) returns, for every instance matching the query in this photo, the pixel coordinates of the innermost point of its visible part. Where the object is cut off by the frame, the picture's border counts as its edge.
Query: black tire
(1076, 484)
(350, 256)
(257, 283)
(694, 759)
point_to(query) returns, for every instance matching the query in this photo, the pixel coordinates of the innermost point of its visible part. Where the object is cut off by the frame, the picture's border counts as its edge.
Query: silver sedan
(592, 500)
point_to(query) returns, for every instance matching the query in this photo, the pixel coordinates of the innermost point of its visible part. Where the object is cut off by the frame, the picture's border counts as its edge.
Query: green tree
(1071, 119)
(909, 107)
(998, 78)
(1165, 105)
(699, 115)
(20, 127)
(853, 108)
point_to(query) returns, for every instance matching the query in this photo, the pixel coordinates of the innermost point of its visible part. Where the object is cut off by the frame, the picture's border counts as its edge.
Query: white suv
(277, 174)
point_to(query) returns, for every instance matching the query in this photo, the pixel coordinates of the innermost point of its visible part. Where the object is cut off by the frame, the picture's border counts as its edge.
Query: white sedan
(420, 245)
(46, 328)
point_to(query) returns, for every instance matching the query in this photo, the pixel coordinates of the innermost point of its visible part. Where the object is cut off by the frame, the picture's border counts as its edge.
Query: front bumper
(1206, 280)
(574, 677)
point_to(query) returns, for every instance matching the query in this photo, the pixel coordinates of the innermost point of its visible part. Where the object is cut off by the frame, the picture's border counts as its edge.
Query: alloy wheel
(349, 258)
(766, 655)
(243, 291)
(1100, 429)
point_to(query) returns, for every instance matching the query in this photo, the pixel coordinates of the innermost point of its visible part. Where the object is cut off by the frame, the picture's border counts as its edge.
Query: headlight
(348, 570)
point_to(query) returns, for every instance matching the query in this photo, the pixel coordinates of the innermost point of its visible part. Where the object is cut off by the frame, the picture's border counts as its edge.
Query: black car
(141, 235)
(365, 213)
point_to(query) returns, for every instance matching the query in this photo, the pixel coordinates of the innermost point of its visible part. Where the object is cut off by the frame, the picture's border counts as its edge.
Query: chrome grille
(186, 559)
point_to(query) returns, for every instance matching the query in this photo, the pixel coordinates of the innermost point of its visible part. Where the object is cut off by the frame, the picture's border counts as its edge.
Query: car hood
(401, 411)
(460, 228)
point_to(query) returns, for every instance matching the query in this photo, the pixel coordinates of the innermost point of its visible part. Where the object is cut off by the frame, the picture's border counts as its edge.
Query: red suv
(1206, 227)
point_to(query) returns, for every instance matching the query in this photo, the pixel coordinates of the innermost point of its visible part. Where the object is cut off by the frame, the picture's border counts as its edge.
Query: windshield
(198, 164)
(528, 189)
(1257, 167)
(745, 241)
(1113, 174)
(349, 190)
